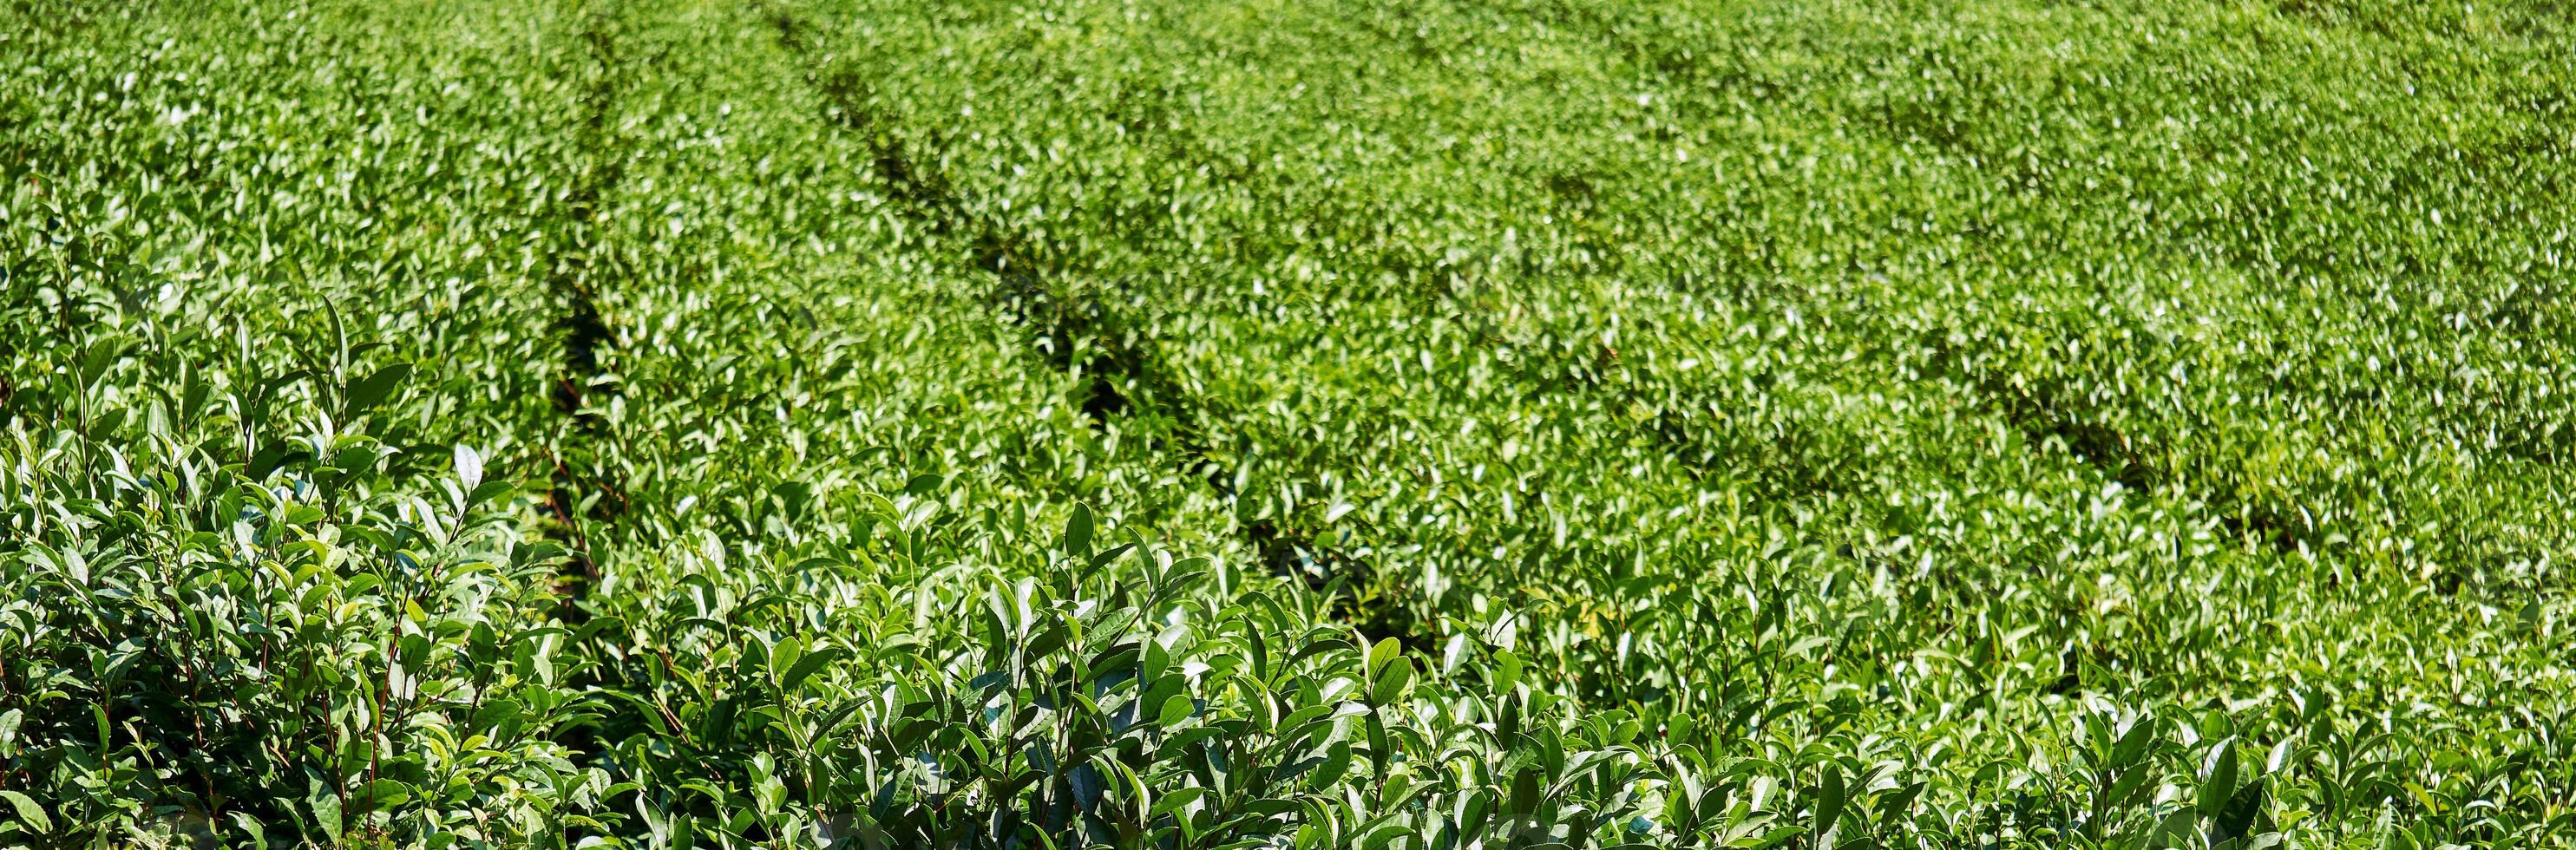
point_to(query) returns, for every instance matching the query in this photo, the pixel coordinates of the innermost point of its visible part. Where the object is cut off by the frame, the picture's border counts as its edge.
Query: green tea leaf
(1830, 797)
(806, 665)
(29, 814)
(1077, 532)
(2219, 785)
(372, 390)
(469, 467)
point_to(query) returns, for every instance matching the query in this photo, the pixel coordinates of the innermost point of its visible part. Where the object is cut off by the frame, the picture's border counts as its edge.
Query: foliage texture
(1432, 425)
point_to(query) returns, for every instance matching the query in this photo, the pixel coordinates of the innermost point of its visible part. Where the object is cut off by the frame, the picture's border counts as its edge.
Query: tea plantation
(1439, 424)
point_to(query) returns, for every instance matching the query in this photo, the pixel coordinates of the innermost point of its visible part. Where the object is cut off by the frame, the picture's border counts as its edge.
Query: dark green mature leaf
(1077, 532)
(1176, 708)
(1830, 796)
(1391, 682)
(372, 390)
(2133, 743)
(1385, 651)
(2237, 819)
(807, 664)
(2218, 786)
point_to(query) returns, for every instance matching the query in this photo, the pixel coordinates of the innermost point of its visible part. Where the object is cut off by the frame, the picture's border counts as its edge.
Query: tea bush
(1528, 423)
